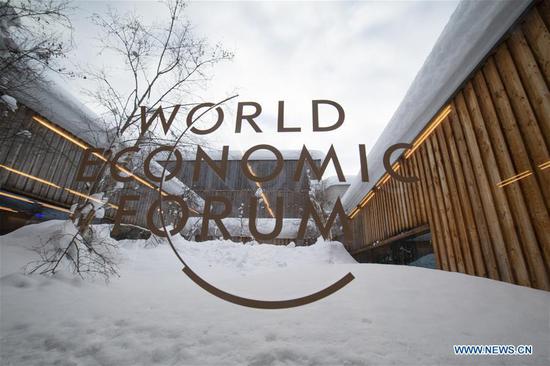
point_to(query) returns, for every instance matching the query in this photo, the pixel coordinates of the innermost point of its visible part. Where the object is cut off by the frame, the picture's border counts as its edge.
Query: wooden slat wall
(239, 189)
(498, 127)
(50, 157)
(44, 154)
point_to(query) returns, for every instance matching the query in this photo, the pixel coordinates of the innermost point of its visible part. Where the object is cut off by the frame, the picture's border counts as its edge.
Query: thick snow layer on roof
(57, 104)
(216, 154)
(474, 28)
(153, 314)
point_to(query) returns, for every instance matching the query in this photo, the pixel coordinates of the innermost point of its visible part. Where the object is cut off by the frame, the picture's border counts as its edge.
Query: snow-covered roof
(333, 181)
(58, 105)
(216, 154)
(472, 31)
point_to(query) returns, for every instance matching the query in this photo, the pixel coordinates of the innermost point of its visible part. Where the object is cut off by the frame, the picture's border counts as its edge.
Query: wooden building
(478, 116)
(238, 189)
(44, 131)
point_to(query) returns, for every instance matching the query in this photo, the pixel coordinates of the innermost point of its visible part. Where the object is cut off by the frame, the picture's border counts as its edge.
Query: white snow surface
(472, 31)
(9, 101)
(176, 187)
(240, 227)
(53, 101)
(154, 315)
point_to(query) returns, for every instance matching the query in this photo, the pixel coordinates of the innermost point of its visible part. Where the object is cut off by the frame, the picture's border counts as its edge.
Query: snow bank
(474, 28)
(253, 258)
(154, 315)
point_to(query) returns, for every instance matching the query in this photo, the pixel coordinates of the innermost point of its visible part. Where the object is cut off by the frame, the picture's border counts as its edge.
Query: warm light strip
(265, 200)
(264, 197)
(2, 208)
(52, 184)
(139, 179)
(544, 165)
(59, 132)
(354, 212)
(440, 118)
(512, 178)
(515, 178)
(366, 201)
(29, 176)
(15, 197)
(383, 181)
(85, 147)
(19, 198)
(90, 198)
(444, 113)
(54, 207)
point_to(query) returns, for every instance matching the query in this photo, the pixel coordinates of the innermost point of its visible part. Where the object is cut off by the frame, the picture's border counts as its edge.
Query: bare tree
(86, 255)
(157, 64)
(33, 38)
(152, 65)
(165, 64)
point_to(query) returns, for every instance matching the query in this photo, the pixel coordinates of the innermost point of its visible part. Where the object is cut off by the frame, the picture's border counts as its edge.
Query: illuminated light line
(90, 198)
(86, 147)
(19, 198)
(515, 178)
(367, 198)
(264, 197)
(396, 166)
(53, 185)
(15, 197)
(100, 156)
(59, 132)
(30, 176)
(136, 177)
(7, 209)
(354, 212)
(440, 118)
(544, 165)
(54, 207)
(362, 205)
(383, 181)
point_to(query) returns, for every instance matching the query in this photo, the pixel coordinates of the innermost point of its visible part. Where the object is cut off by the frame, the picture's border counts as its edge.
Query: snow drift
(154, 315)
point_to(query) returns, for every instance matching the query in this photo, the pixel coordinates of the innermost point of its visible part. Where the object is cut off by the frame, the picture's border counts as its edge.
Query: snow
(233, 225)
(25, 133)
(53, 101)
(474, 28)
(176, 187)
(10, 101)
(154, 315)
